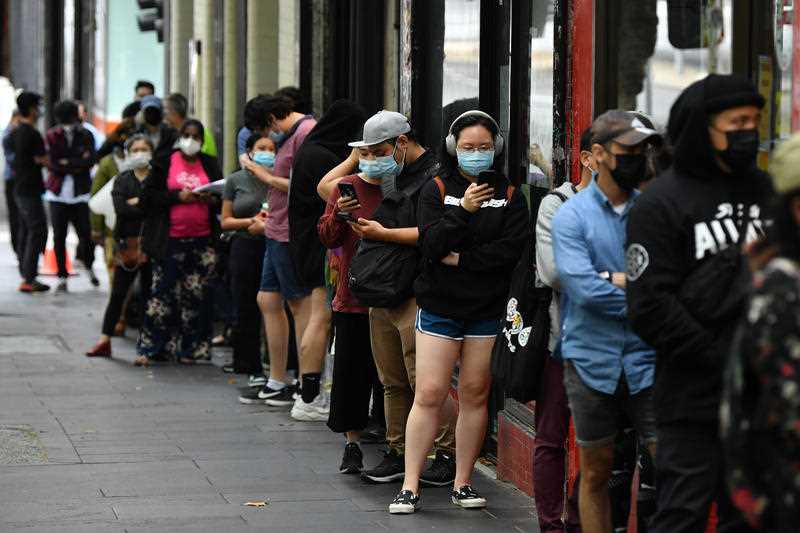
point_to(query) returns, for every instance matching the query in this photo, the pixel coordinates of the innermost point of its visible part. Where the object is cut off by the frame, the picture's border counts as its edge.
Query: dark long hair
(196, 123)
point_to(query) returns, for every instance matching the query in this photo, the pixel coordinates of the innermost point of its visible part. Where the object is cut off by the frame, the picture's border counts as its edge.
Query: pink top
(187, 220)
(276, 226)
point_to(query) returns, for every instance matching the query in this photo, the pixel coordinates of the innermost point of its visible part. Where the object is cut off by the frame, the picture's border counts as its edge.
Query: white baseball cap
(382, 126)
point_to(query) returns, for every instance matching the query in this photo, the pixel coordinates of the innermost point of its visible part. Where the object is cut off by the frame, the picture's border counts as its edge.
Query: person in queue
(242, 201)
(178, 235)
(30, 156)
(108, 166)
(470, 237)
(608, 371)
(323, 149)
(405, 167)
(354, 373)
(129, 260)
(760, 410)
(686, 287)
(288, 129)
(10, 183)
(72, 155)
(552, 409)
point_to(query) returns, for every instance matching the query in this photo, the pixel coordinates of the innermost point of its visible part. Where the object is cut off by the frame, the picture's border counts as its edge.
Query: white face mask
(139, 159)
(189, 146)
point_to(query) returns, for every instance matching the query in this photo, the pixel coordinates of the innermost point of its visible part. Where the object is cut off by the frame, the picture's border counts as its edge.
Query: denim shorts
(599, 417)
(278, 273)
(456, 330)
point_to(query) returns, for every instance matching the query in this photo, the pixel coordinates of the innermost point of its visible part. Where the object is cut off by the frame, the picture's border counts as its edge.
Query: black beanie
(724, 91)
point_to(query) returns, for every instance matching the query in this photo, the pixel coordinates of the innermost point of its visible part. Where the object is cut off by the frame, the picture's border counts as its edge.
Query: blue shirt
(589, 238)
(241, 140)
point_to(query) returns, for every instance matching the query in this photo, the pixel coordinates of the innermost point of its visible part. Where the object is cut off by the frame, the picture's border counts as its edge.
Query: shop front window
(665, 46)
(461, 68)
(783, 34)
(540, 152)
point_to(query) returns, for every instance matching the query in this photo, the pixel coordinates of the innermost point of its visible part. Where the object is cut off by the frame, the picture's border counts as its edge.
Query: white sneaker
(316, 411)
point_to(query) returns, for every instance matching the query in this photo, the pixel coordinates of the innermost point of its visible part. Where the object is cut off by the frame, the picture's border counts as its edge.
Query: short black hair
(131, 109)
(411, 134)
(27, 101)
(146, 84)
(278, 107)
(255, 116)
(252, 140)
(586, 140)
(300, 102)
(178, 103)
(196, 123)
(66, 112)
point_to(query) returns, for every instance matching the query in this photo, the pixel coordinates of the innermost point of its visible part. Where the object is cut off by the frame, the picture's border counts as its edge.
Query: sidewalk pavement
(101, 446)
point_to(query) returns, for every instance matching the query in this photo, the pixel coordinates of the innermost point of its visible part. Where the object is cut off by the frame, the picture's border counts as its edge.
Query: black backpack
(520, 348)
(381, 273)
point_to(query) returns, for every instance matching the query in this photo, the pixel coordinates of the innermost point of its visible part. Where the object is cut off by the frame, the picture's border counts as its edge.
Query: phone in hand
(347, 217)
(493, 178)
(347, 190)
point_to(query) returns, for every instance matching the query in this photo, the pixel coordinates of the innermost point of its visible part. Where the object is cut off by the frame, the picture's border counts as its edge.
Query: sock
(274, 384)
(310, 387)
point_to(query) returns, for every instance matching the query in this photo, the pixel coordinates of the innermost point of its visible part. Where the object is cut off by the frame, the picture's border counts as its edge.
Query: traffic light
(152, 17)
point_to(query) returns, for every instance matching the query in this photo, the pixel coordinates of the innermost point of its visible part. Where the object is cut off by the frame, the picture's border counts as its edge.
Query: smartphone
(348, 190)
(491, 177)
(347, 217)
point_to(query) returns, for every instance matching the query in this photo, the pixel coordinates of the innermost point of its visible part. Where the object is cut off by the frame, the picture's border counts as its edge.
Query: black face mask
(630, 171)
(742, 149)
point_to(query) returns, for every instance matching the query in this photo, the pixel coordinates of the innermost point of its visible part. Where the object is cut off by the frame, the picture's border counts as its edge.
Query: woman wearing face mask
(178, 235)
(129, 260)
(242, 202)
(470, 236)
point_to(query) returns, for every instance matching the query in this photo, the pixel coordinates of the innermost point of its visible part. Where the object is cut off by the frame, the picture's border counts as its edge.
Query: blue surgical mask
(382, 167)
(475, 162)
(265, 159)
(276, 137)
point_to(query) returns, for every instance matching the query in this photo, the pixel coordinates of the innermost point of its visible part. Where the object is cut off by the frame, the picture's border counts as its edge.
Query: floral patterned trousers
(178, 315)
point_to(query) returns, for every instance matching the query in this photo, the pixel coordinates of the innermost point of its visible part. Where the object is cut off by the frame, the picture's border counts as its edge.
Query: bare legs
(436, 358)
(276, 325)
(314, 340)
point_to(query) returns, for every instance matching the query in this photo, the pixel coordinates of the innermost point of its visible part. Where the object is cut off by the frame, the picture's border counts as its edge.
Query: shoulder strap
(510, 192)
(560, 195)
(440, 185)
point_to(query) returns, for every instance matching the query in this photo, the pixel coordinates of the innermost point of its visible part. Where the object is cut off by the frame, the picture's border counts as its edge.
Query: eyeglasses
(473, 150)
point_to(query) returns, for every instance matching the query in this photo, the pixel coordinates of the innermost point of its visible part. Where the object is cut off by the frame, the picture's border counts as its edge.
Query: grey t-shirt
(247, 193)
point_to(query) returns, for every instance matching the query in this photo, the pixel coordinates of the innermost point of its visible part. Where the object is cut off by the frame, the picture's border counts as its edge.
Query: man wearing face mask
(685, 286)
(403, 167)
(608, 370)
(160, 134)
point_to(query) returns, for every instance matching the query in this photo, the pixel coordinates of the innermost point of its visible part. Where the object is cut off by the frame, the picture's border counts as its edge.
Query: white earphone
(450, 140)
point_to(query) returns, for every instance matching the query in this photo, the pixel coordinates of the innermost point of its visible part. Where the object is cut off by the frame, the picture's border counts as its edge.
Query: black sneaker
(392, 468)
(267, 392)
(283, 398)
(441, 472)
(467, 498)
(249, 396)
(352, 460)
(406, 502)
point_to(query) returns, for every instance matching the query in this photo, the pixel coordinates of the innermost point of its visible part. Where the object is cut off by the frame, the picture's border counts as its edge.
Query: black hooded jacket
(684, 266)
(324, 148)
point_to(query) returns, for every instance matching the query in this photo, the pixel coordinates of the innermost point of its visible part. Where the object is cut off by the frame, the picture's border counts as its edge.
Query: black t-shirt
(28, 143)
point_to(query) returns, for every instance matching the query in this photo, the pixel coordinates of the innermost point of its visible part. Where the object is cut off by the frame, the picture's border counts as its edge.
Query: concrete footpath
(101, 446)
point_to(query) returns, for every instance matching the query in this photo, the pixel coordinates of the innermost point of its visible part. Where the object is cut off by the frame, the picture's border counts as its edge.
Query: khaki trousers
(394, 349)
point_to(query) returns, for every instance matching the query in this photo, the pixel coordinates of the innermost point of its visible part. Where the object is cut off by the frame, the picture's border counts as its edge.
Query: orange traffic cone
(51, 265)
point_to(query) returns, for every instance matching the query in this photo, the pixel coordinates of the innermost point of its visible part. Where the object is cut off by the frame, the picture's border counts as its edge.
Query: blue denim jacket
(589, 238)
